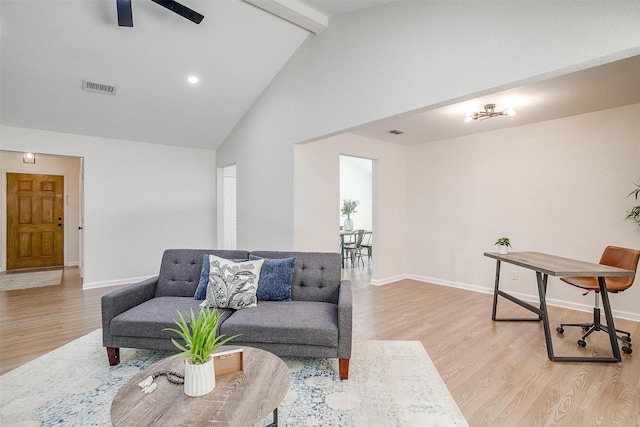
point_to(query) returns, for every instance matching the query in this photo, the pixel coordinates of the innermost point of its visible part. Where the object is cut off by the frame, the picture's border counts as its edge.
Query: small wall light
(29, 158)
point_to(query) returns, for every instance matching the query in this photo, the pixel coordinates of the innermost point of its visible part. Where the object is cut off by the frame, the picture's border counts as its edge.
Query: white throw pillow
(232, 284)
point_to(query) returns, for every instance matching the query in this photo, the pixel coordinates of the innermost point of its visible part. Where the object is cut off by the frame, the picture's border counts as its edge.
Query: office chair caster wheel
(582, 343)
(627, 350)
(560, 330)
(585, 328)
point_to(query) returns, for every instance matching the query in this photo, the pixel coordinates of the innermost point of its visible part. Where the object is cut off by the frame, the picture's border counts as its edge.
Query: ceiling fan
(125, 15)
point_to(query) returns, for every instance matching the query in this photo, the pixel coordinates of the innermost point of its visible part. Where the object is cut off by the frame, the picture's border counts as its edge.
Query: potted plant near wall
(201, 340)
(348, 207)
(503, 245)
(634, 213)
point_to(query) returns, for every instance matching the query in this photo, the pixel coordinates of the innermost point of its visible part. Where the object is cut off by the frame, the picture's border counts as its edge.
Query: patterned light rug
(391, 383)
(35, 279)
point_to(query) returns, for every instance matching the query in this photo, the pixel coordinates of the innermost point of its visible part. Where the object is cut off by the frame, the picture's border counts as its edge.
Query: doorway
(356, 185)
(229, 223)
(70, 170)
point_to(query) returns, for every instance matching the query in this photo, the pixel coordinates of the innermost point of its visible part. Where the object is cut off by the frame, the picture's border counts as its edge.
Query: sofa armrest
(117, 302)
(345, 320)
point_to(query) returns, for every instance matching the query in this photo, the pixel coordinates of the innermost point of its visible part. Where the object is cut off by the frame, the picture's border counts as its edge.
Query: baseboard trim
(93, 285)
(588, 308)
(388, 280)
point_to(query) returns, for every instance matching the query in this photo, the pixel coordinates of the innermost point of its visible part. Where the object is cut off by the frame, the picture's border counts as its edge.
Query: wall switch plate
(514, 275)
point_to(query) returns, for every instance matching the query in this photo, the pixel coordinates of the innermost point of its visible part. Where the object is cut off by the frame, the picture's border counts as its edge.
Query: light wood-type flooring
(497, 372)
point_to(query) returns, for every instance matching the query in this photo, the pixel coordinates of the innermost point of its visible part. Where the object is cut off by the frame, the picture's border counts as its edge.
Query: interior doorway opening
(67, 219)
(357, 229)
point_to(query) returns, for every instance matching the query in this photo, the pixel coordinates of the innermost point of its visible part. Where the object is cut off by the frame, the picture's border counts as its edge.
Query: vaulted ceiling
(49, 47)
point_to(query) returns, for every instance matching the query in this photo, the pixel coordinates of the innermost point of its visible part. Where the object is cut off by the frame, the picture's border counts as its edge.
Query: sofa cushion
(180, 270)
(294, 322)
(148, 319)
(275, 279)
(232, 284)
(316, 276)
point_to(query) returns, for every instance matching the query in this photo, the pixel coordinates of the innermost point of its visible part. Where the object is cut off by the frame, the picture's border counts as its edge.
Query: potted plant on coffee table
(503, 245)
(201, 340)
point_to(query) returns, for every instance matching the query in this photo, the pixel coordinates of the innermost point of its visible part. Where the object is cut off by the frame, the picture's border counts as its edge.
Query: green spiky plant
(634, 213)
(199, 335)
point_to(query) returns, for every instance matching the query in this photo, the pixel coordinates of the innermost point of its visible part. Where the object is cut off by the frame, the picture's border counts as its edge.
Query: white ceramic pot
(503, 249)
(199, 379)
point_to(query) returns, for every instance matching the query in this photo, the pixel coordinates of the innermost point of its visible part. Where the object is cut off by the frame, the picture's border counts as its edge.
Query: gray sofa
(317, 322)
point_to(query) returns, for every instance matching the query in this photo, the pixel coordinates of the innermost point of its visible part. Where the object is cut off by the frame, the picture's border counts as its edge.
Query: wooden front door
(35, 221)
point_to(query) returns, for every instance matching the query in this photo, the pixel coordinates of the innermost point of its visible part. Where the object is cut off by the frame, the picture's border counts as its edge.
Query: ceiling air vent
(98, 87)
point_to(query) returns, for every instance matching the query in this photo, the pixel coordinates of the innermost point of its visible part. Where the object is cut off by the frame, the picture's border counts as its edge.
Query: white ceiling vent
(98, 87)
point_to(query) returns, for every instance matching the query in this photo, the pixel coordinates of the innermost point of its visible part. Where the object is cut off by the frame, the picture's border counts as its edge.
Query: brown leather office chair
(615, 257)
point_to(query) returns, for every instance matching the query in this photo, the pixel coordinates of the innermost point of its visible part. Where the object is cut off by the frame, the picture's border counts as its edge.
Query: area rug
(35, 279)
(391, 383)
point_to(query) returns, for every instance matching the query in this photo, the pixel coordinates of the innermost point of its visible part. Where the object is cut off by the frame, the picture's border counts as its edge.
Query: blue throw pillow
(201, 290)
(276, 277)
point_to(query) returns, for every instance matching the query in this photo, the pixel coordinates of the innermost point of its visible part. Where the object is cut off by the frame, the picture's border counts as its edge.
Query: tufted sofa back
(316, 275)
(180, 270)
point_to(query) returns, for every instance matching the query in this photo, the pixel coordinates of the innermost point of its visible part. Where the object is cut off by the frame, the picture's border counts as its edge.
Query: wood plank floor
(498, 373)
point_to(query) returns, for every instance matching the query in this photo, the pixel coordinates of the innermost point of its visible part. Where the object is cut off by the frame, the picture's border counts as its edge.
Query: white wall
(558, 187)
(317, 197)
(356, 181)
(139, 199)
(399, 57)
(69, 168)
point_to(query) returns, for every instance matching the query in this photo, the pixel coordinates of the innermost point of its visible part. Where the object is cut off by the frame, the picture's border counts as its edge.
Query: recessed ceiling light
(193, 80)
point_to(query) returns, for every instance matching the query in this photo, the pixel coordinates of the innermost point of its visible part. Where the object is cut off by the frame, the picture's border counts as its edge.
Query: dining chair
(612, 256)
(367, 244)
(353, 248)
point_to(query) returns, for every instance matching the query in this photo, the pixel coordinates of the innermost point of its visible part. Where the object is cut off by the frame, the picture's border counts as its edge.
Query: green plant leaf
(199, 334)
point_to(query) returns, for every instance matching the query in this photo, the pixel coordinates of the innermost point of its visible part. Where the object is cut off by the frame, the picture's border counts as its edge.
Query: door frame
(222, 202)
(3, 212)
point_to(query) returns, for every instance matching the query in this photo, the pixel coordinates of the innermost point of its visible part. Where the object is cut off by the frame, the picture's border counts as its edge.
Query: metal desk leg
(495, 291)
(609, 316)
(544, 316)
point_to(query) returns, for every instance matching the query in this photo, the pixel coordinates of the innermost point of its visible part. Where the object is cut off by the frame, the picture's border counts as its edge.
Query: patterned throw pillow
(201, 290)
(231, 284)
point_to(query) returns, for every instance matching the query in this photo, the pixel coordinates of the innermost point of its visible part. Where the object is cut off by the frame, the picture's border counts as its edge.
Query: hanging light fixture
(29, 158)
(489, 112)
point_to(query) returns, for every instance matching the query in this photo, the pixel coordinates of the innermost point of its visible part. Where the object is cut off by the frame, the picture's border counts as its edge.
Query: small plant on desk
(503, 244)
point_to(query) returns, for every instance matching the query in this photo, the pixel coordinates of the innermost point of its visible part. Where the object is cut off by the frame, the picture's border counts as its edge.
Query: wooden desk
(241, 399)
(545, 265)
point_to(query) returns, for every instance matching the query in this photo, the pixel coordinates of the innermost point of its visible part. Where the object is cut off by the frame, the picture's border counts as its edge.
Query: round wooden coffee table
(240, 399)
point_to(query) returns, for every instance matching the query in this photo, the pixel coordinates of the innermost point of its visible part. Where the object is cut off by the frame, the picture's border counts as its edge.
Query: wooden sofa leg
(114, 355)
(344, 369)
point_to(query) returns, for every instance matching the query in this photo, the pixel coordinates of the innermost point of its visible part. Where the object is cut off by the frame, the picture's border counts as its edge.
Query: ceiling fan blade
(125, 15)
(181, 10)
